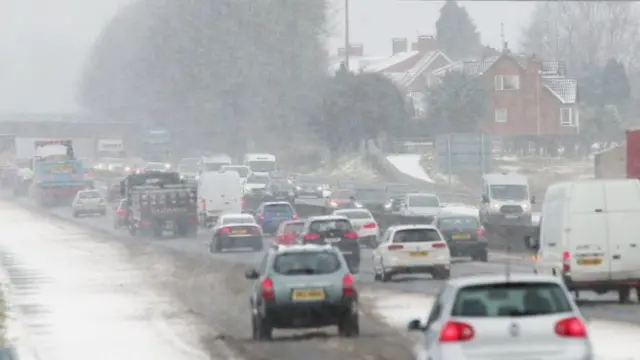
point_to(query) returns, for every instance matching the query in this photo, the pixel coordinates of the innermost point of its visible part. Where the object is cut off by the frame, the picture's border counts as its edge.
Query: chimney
(354, 50)
(399, 45)
(425, 44)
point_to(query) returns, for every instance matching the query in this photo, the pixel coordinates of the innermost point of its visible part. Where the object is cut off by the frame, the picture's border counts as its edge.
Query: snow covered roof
(382, 65)
(421, 66)
(356, 63)
(566, 90)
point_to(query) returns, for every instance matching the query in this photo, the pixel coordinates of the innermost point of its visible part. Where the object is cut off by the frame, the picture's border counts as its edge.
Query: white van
(261, 162)
(219, 192)
(505, 200)
(590, 235)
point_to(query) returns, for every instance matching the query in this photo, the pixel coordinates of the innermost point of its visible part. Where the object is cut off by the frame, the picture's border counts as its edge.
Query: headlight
(358, 205)
(298, 188)
(333, 204)
(495, 206)
(387, 206)
(526, 207)
(127, 169)
(197, 177)
(167, 166)
(319, 188)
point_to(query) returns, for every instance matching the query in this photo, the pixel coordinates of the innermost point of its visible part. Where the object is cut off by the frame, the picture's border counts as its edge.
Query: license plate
(589, 261)
(332, 240)
(308, 295)
(419, 253)
(461, 236)
(239, 231)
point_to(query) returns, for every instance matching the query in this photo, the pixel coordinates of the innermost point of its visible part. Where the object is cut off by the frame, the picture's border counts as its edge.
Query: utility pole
(347, 47)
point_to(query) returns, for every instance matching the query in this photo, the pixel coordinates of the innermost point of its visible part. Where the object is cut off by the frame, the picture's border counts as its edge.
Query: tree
(455, 31)
(616, 89)
(458, 103)
(220, 74)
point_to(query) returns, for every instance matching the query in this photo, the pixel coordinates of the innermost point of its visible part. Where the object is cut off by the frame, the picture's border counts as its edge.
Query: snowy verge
(349, 167)
(409, 164)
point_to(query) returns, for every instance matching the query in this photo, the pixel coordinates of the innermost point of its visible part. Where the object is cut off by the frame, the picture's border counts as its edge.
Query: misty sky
(43, 43)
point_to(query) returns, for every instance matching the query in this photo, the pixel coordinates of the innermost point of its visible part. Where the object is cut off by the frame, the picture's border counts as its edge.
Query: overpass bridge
(72, 125)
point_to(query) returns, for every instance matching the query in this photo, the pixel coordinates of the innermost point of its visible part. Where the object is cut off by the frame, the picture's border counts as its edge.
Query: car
(282, 190)
(342, 199)
(508, 315)
(269, 215)
(288, 232)
(372, 198)
(364, 224)
(411, 249)
(121, 214)
(113, 190)
(312, 186)
(303, 286)
(464, 234)
(235, 231)
(256, 183)
(394, 204)
(506, 201)
(88, 202)
(336, 231)
(155, 166)
(242, 170)
(420, 204)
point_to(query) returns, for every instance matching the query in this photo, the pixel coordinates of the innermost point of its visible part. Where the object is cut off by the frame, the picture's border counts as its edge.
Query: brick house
(530, 99)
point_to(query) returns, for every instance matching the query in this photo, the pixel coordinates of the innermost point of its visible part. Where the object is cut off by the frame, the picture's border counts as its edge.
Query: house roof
(382, 65)
(356, 63)
(551, 73)
(420, 67)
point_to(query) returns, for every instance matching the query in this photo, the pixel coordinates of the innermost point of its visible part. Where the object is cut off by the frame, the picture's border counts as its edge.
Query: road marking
(611, 340)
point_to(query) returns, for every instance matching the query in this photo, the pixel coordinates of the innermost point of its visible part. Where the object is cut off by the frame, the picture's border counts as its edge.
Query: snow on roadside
(409, 164)
(349, 167)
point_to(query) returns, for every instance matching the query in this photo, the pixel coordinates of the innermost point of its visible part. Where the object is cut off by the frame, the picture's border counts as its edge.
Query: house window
(507, 82)
(501, 115)
(567, 117)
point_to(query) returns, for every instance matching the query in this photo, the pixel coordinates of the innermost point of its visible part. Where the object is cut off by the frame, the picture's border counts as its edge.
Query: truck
(7, 159)
(159, 201)
(621, 161)
(57, 174)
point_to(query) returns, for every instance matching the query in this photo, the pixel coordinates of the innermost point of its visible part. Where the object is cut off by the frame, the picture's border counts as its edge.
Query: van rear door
(623, 212)
(587, 236)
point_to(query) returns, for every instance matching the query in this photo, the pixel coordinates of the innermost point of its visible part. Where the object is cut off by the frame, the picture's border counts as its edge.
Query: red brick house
(529, 98)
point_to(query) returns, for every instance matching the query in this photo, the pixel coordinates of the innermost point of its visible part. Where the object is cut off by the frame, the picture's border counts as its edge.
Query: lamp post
(346, 34)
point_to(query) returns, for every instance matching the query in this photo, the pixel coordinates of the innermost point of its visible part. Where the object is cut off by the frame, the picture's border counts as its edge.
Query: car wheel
(385, 276)
(263, 329)
(349, 326)
(623, 294)
(441, 273)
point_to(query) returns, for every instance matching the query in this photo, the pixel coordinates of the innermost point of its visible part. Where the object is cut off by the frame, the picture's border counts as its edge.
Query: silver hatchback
(519, 316)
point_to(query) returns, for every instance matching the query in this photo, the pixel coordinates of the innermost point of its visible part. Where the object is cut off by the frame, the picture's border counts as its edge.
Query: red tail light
(370, 226)
(193, 221)
(288, 237)
(242, 204)
(480, 232)
(395, 247)
(266, 289)
(566, 262)
(203, 204)
(294, 217)
(571, 327)
(311, 237)
(454, 331)
(439, 245)
(121, 212)
(351, 235)
(348, 288)
(260, 217)
(225, 230)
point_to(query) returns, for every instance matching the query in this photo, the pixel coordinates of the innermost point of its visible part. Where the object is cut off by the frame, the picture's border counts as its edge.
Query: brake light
(439, 245)
(395, 247)
(351, 235)
(266, 289)
(566, 262)
(481, 232)
(333, 203)
(311, 237)
(454, 331)
(294, 217)
(370, 226)
(225, 230)
(571, 327)
(288, 236)
(348, 288)
(203, 203)
(242, 203)
(120, 212)
(260, 217)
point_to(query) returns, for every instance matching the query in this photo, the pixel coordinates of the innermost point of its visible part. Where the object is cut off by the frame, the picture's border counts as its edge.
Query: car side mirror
(533, 199)
(485, 199)
(415, 325)
(251, 274)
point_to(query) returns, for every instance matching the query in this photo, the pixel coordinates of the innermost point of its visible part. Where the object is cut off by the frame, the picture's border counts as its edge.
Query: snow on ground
(79, 298)
(611, 340)
(409, 164)
(351, 167)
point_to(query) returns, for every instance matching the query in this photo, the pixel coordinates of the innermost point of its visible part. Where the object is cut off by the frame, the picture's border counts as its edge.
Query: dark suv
(335, 231)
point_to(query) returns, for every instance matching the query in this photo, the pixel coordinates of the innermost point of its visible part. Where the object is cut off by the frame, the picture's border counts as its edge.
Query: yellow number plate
(419, 253)
(461, 236)
(589, 261)
(239, 231)
(308, 295)
(61, 169)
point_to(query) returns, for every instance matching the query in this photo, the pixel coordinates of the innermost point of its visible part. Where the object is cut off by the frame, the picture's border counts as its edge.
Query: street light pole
(346, 35)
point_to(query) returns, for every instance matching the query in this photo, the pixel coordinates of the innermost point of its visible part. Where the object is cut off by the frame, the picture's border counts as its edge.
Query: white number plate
(332, 240)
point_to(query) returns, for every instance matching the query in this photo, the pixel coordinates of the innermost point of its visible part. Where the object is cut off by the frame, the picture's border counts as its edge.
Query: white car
(256, 181)
(506, 316)
(420, 204)
(411, 249)
(364, 224)
(88, 202)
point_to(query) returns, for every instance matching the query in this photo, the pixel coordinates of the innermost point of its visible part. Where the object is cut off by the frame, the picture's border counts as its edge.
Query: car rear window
(356, 214)
(90, 195)
(424, 201)
(238, 220)
(278, 208)
(295, 228)
(458, 223)
(320, 226)
(416, 235)
(306, 263)
(511, 299)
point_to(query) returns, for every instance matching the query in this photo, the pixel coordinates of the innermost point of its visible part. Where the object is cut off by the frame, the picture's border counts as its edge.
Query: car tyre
(624, 293)
(482, 257)
(441, 273)
(349, 326)
(262, 330)
(384, 275)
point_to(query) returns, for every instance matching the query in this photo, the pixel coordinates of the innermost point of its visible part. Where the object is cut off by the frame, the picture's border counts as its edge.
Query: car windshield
(511, 299)
(458, 223)
(90, 195)
(278, 209)
(241, 170)
(416, 235)
(342, 194)
(423, 201)
(320, 226)
(371, 195)
(306, 263)
(258, 179)
(509, 192)
(294, 228)
(355, 214)
(238, 220)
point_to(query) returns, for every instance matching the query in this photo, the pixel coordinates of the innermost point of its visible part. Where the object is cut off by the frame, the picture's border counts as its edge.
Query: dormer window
(507, 82)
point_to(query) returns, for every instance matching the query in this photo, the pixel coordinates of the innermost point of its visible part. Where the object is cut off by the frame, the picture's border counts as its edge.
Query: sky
(44, 43)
